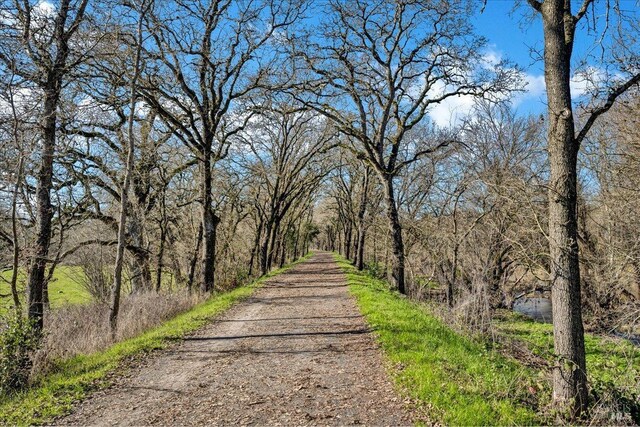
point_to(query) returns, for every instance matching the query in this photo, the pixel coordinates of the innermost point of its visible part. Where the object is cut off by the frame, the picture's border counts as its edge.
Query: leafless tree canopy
(189, 146)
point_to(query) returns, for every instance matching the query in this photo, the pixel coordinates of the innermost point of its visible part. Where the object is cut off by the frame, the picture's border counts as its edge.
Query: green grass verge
(64, 288)
(613, 365)
(72, 379)
(459, 381)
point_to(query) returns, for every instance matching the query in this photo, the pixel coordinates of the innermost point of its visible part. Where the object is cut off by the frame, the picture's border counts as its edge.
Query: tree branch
(535, 4)
(613, 95)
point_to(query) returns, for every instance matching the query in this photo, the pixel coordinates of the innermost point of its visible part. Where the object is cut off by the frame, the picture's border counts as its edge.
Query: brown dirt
(297, 352)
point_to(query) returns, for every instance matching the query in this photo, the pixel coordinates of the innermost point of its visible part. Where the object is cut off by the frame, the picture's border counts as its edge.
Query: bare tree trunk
(283, 252)
(362, 210)
(375, 245)
(124, 201)
(264, 249)
(348, 237)
(14, 237)
(44, 209)
(159, 260)
(570, 374)
(208, 227)
(256, 247)
(194, 259)
(163, 224)
(140, 265)
(53, 69)
(397, 245)
(15, 265)
(451, 283)
(296, 242)
(272, 246)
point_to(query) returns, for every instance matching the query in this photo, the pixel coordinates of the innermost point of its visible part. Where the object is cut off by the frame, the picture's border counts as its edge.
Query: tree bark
(140, 265)
(362, 210)
(44, 209)
(14, 235)
(272, 252)
(397, 245)
(283, 251)
(570, 375)
(256, 247)
(348, 237)
(209, 224)
(53, 69)
(163, 225)
(159, 259)
(194, 259)
(264, 249)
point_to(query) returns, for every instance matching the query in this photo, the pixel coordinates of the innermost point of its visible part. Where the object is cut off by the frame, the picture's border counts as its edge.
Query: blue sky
(512, 34)
(515, 33)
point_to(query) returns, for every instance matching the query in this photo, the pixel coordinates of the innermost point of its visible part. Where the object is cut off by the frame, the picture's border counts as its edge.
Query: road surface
(297, 352)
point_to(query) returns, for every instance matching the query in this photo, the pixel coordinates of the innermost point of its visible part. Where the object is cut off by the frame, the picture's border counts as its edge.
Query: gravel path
(297, 352)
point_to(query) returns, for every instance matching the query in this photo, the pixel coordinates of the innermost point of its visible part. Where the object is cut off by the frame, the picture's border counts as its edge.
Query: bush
(376, 269)
(97, 276)
(19, 339)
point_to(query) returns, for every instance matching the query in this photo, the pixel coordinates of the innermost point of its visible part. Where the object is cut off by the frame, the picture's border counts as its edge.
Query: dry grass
(84, 329)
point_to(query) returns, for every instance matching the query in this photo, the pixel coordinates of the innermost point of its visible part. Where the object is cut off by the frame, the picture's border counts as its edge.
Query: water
(539, 309)
(634, 339)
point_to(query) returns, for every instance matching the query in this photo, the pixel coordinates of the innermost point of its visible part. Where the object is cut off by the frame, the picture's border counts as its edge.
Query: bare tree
(141, 10)
(376, 67)
(288, 149)
(208, 58)
(43, 55)
(560, 24)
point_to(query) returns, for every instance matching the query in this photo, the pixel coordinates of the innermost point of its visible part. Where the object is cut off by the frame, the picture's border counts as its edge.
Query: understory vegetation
(613, 365)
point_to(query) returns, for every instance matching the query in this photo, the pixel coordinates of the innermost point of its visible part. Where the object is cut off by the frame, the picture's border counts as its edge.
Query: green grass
(72, 379)
(64, 288)
(612, 364)
(458, 380)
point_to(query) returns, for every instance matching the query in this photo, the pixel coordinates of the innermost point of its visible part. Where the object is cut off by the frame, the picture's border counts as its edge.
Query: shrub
(97, 276)
(376, 269)
(18, 342)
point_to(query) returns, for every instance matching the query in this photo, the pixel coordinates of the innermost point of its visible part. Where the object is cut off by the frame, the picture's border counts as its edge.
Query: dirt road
(296, 353)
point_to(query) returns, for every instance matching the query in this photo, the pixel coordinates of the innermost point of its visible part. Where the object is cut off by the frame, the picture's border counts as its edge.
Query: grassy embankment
(73, 379)
(613, 364)
(463, 382)
(458, 380)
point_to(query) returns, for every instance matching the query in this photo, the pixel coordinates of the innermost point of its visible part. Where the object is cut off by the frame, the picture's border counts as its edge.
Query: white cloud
(451, 110)
(582, 83)
(534, 89)
(455, 108)
(45, 8)
(492, 57)
(535, 85)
